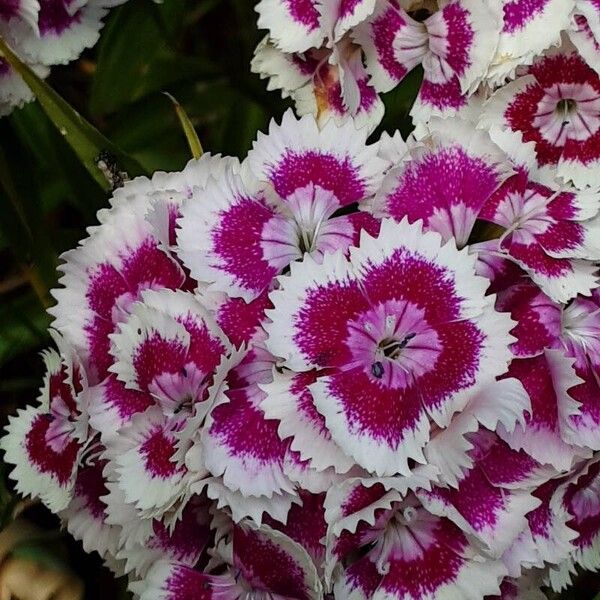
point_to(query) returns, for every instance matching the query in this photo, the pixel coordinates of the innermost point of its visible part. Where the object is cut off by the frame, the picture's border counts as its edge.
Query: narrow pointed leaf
(98, 154)
(188, 129)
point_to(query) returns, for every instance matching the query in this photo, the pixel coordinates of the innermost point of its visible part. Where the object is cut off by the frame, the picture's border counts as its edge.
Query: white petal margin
(253, 507)
(311, 441)
(502, 403)
(151, 493)
(14, 92)
(30, 480)
(521, 46)
(343, 141)
(255, 471)
(289, 34)
(53, 48)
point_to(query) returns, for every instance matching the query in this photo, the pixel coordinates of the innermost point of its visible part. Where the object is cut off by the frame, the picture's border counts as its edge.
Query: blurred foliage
(198, 52)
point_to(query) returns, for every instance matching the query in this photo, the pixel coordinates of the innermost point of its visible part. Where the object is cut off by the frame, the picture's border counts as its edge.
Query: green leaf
(23, 326)
(51, 160)
(149, 130)
(87, 142)
(188, 129)
(135, 58)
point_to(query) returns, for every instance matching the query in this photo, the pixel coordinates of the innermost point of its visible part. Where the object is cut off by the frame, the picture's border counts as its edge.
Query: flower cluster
(337, 367)
(334, 57)
(45, 33)
(341, 368)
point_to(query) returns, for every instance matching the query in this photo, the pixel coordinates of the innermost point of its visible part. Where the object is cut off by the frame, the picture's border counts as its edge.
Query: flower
(315, 52)
(419, 352)
(45, 33)
(45, 442)
(331, 370)
(555, 104)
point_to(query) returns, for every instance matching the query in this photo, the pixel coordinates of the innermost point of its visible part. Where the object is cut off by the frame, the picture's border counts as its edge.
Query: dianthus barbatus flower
(576, 502)
(556, 359)
(446, 176)
(556, 104)
(45, 33)
(453, 41)
(45, 442)
(253, 562)
(292, 197)
(387, 546)
(551, 231)
(399, 337)
(315, 53)
(530, 27)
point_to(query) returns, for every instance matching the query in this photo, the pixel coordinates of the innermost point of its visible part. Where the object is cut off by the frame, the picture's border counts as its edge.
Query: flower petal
(39, 470)
(220, 238)
(243, 446)
(289, 400)
(472, 166)
(336, 158)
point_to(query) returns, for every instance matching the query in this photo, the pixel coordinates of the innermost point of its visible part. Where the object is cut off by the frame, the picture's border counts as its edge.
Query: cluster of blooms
(346, 369)
(334, 57)
(364, 370)
(45, 33)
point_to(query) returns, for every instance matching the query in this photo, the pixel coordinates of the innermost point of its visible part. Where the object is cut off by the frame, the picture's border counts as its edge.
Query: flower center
(568, 111)
(393, 343)
(566, 106)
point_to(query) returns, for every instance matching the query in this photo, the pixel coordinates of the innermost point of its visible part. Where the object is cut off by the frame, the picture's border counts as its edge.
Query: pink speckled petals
(450, 171)
(176, 581)
(584, 31)
(104, 276)
(39, 470)
(383, 341)
(406, 540)
(554, 105)
(61, 34)
(28, 10)
(289, 400)
(548, 434)
(85, 515)
(258, 561)
(551, 233)
(463, 37)
(220, 237)
(578, 498)
(337, 159)
(112, 405)
(171, 348)
(454, 43)
(45, 33)
(45, 442)
(312, 172)
(269, 560)
(243, 446)
(538, 318)
(529, 27)
(183, 541)
(491, 499)
(143, 457)
(393, 43)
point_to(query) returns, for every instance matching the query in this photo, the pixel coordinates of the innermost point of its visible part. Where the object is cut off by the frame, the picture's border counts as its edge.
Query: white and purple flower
(337, 369)
(45, 33)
